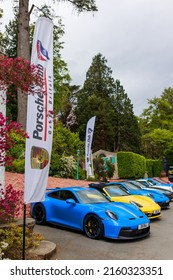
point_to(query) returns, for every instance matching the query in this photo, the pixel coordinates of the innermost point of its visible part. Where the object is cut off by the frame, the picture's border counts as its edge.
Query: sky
(134, 36)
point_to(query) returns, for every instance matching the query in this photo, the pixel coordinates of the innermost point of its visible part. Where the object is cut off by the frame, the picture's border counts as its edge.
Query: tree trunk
(23, 51)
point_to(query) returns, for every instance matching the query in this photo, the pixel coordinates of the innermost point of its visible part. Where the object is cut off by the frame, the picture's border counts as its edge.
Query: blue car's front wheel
(39, 213)
(93, 226)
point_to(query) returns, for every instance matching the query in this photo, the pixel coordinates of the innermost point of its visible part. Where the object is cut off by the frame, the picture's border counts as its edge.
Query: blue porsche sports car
(89, 211)
(159, 198)
(146, 186)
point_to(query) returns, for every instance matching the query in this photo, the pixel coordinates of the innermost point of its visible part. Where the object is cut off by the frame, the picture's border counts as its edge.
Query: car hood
(144, 201)
(148, 192)
(123, 210)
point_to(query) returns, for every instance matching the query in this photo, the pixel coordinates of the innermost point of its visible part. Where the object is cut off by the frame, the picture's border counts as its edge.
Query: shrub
(11, 204)
(11, 241)
(18, 166)
(130, 165)
(103, 169)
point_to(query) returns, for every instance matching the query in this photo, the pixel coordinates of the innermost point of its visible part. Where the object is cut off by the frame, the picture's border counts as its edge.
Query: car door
(64, 213)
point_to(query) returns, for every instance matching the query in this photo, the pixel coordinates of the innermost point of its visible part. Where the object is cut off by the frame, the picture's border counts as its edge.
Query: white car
(149, 182)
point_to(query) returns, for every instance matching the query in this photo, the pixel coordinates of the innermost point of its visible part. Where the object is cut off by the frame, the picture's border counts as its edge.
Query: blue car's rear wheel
(39, 214)
(93, 226)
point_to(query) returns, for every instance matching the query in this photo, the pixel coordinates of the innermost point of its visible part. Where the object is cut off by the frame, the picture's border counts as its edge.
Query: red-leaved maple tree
(18, 72)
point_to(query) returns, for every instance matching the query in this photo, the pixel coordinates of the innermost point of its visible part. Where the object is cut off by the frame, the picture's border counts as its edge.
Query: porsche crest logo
(39, 158)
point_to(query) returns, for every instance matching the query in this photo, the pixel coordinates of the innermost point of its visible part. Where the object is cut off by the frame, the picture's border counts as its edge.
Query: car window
(131, 186)
(54, 194)
(135, 183)
(63, 195)
(66, 194)
(151, 182)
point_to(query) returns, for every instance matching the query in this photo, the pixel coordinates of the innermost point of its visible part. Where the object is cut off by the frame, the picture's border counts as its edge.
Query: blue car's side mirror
(71, 201)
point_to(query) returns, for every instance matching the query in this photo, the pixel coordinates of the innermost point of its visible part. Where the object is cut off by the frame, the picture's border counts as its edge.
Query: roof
(97, 186)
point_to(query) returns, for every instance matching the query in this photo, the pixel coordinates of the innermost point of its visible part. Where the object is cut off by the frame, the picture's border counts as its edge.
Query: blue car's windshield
(131, 186)
(91, 196)
(114, 190)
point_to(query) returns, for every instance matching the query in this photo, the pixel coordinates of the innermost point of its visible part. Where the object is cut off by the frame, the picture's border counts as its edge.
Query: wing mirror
(71, 201)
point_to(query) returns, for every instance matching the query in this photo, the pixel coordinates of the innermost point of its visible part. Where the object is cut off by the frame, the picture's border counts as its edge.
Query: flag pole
(24, 231)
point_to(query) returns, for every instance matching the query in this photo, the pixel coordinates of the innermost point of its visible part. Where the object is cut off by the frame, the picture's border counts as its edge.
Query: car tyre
(39, 213)
(93, 226)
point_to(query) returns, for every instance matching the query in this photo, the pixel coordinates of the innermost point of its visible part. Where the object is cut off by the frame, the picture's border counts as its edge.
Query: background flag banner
(88, 142)
(39, 125)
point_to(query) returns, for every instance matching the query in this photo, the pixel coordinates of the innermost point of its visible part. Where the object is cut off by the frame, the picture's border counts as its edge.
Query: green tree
(65, 144)
(95, 98)
(127, 132)
(1, 14)
(156, 123)
(9, 41)
(158, 143)
(159, 114)
(116, 127)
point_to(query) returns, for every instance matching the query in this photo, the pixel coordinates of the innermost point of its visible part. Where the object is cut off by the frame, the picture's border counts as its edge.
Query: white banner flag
(39, 125)
(88, 142)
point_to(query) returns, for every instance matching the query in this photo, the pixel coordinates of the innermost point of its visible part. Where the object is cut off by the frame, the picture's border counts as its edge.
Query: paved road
(72, 245)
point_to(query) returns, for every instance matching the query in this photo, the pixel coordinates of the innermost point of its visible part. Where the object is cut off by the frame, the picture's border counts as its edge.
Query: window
(65, 194)
(62, 195)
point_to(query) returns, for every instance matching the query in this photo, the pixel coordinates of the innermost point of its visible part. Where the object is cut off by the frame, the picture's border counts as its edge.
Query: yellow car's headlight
(136, 204)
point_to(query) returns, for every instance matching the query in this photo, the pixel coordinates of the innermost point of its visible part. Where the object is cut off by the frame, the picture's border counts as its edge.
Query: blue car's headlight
(111, 215)
(136, 204)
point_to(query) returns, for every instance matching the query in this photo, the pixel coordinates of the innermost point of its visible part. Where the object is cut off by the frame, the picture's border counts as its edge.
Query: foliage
(95, 99)
(130, 165)
(86, 5)
(19, 72)
(8, 43)
(103, 169)
(11, 241)
(7, 129)
(153, 167)
(157, 167)
(17, 166)
(68, 166)
(65, 145)
(10, 204)
(127, 131)
(156, 124)
(116, 127)
(157, 143)
(61, 75)
(149, 167)
(65, 142)
(110, 169)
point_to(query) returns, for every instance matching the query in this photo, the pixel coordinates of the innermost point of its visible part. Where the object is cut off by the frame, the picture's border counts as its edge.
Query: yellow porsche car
(117, 194)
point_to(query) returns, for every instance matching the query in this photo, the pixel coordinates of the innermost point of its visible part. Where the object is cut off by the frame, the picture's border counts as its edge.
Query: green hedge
(154, 167)
(131, 165)
(149, 167)
(157, 167)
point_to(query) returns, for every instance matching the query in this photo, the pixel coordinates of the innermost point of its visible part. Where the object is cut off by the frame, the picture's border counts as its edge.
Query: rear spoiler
(51, 189)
